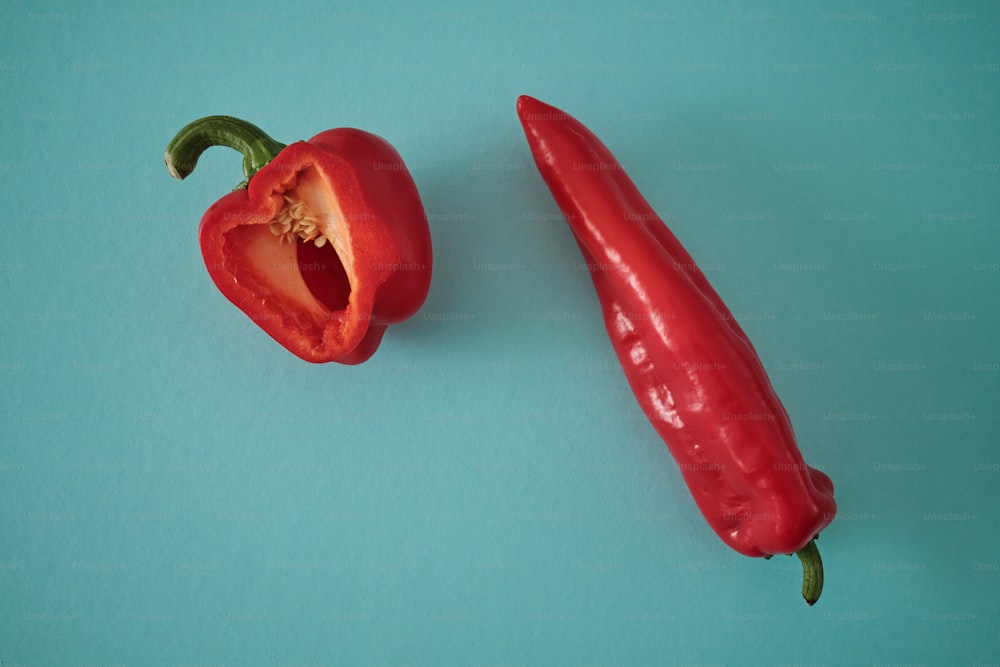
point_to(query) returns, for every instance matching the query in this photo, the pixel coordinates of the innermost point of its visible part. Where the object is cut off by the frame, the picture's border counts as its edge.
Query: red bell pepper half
(324, 244)
(690, 365)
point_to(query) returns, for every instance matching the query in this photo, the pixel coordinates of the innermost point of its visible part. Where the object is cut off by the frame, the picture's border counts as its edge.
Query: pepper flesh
(325, 246)
(690, 365)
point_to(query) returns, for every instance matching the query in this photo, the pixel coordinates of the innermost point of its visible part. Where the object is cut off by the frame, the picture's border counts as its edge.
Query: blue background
(177, 489)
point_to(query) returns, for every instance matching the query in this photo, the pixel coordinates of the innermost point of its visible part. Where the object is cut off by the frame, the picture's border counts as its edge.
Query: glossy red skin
(389, 239)
(690, 365)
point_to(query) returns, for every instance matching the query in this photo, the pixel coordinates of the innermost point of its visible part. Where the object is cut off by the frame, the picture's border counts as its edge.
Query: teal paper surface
(177, 489)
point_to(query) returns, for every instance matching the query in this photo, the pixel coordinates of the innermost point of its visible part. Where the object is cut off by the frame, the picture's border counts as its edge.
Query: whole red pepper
(690, 365)
(324, 244)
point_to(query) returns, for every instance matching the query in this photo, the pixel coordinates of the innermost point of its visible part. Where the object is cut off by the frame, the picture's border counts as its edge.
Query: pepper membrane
(690, 365)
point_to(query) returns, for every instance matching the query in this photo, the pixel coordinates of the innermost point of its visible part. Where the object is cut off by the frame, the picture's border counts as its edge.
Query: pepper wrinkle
(663, 404)
(689, 364)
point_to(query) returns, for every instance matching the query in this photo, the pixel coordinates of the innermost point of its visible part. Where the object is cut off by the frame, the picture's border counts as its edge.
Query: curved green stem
(257, 147)
(812, 572)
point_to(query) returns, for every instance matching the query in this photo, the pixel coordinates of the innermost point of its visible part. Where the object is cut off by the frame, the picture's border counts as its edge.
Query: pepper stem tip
(173, 168)
(812, 572)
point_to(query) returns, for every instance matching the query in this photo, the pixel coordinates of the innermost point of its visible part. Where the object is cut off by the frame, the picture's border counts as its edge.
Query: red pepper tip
(536, 115)
(523, 101)
(532, 109)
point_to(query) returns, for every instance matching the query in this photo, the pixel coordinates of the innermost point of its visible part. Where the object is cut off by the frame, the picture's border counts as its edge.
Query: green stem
(257, 147)
(812, 572)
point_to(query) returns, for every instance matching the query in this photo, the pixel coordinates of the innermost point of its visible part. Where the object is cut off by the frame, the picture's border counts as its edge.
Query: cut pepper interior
(301, 260)
(324, 274)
